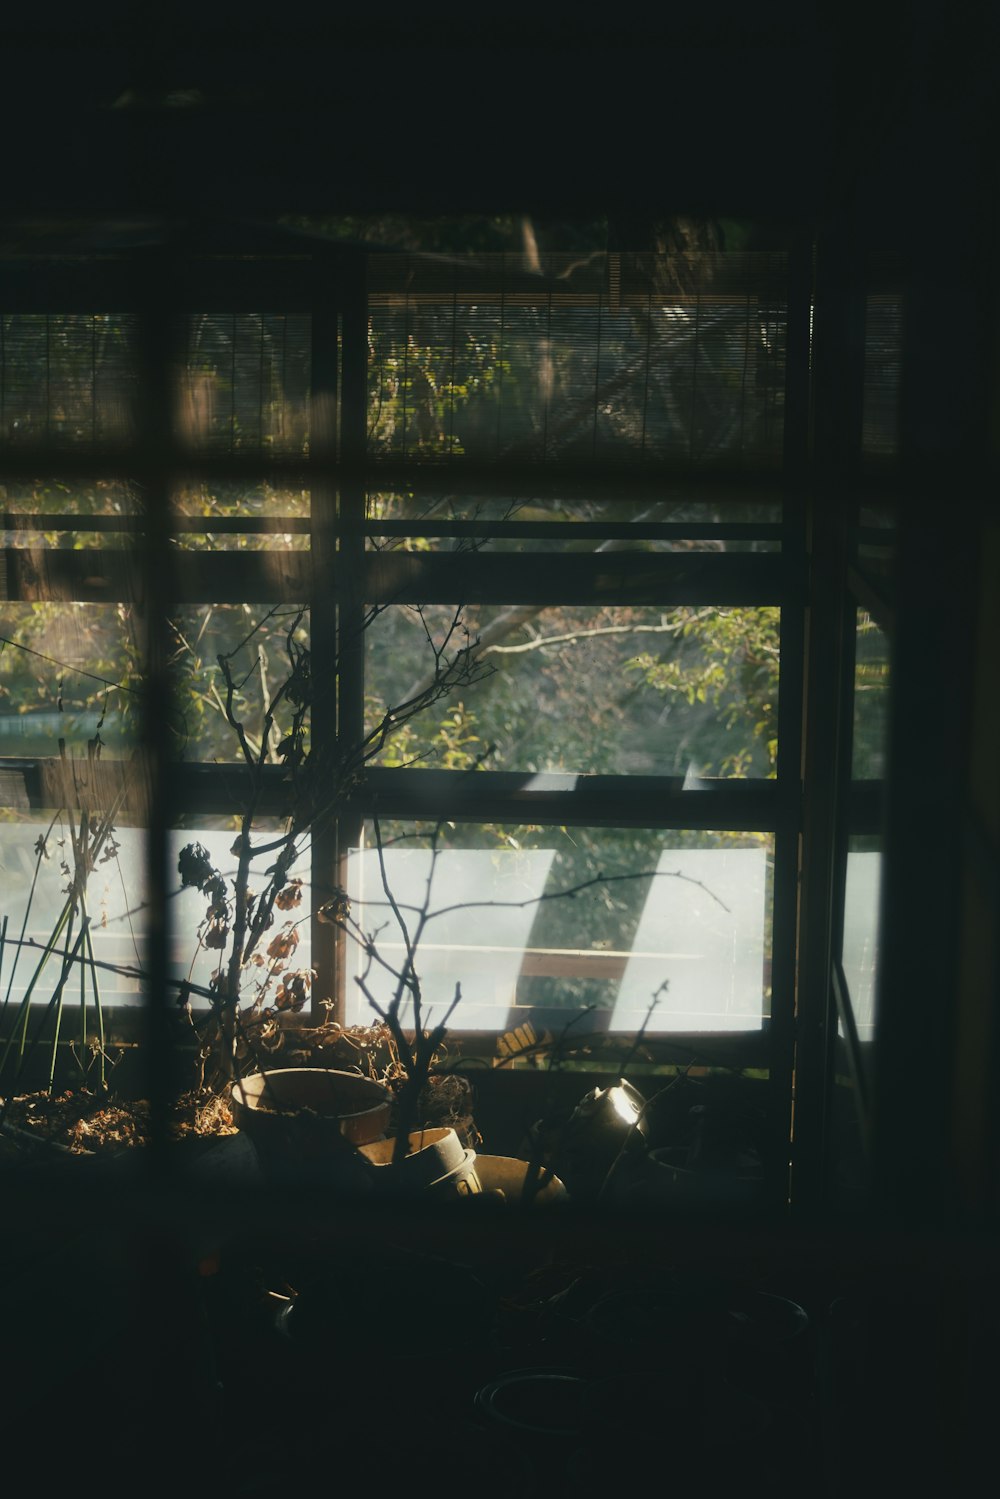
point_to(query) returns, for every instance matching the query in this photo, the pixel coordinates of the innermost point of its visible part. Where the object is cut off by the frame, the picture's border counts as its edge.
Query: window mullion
(347, 573)
(156, 442)
(325, 395)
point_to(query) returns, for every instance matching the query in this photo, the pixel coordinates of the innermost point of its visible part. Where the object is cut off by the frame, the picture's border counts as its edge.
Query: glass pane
(654, 357)
(26, 501)
(69, 672)
(860, 949)
(441, 523)
(196, 957)
(219, 516)
(255, 640)
(871, 700)
(66, 378)
(36, 863)
(246, 383)
(586, 690)
(679, 918)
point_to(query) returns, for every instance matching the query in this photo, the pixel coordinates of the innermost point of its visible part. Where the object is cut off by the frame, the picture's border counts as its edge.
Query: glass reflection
(535, 920)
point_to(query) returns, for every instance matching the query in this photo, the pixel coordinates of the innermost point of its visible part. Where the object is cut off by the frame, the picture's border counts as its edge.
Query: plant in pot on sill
(256, 984)
(79, 1114)
(333, 1082)
(416, 1063)
(310, 1090)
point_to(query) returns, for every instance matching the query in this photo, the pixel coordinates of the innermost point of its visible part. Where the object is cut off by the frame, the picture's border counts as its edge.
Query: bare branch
(543, 641)
(408, 977)
(234, 723)
(571, 890)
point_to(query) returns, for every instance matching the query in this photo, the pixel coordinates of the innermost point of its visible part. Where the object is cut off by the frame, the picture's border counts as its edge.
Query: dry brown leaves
(85, 1124)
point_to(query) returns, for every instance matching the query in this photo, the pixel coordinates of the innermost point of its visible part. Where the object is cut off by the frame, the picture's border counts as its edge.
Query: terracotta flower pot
(435, 1161)
(508, 1175)
(310, 1116)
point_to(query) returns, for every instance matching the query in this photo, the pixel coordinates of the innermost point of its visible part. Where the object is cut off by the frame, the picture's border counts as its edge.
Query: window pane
(871, 700)
(115, 895)
(36, 866)
(240, 517)
(246, 383)
(862, 888)
(70, 672)
(66, 378)
(43, 513)
(587, 690)
(656, 357)
(860, 950)
(194, 958)
(423, 522)
(680, 917)
(255, 639)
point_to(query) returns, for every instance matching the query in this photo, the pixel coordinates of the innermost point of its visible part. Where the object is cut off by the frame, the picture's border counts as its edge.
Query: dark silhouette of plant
(242, 923)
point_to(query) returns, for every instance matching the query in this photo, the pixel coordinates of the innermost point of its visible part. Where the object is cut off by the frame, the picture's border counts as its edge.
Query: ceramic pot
(507, 1175)
(309, 1116)
(435, 1161)
(430, 1153)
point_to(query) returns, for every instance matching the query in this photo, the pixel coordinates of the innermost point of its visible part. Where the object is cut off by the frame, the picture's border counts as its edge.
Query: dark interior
(836, 1335)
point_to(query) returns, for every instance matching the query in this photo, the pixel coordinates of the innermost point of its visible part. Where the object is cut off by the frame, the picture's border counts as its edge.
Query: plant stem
(21, 1023)
(99, 1012)
(56, 1000)
(83, 1024)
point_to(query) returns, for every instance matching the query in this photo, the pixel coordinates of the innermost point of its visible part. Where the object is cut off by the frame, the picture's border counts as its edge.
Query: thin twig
(570, 891)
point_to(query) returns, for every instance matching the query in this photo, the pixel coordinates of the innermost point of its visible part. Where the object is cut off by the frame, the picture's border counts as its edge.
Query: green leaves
(728, 661)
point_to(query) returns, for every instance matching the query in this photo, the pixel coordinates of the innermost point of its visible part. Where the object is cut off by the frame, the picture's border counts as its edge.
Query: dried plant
(90, 819)
(256, 979)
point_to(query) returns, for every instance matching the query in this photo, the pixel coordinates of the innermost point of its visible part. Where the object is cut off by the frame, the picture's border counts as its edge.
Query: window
(570, 496)
(587, 470)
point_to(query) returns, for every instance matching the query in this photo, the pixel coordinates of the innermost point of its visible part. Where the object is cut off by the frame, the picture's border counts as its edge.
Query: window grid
(340, 471)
